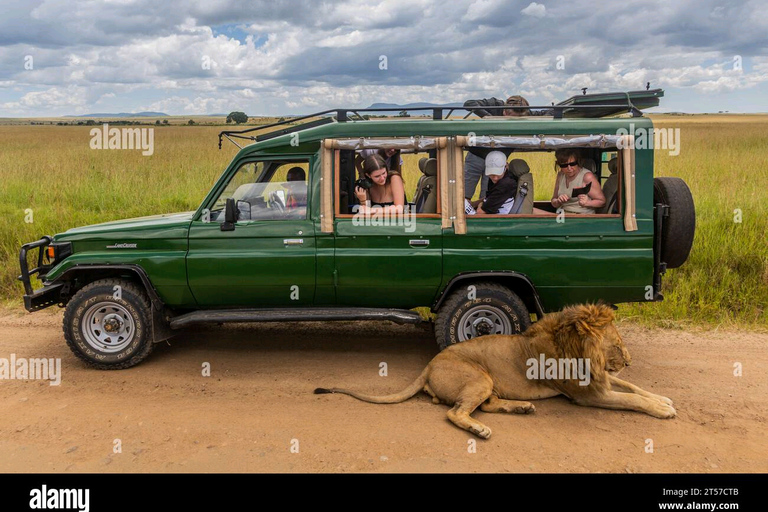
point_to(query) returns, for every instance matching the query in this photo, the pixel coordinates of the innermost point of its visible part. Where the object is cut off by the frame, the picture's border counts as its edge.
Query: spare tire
(678, 228)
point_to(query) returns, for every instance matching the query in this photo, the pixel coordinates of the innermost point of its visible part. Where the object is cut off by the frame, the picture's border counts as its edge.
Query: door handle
(419, 242)
(293, 241)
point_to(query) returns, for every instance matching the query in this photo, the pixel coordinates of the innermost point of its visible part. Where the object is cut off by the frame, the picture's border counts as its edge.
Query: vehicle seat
(610, 188)
(588, 163)
(425, 197)
(524, 193)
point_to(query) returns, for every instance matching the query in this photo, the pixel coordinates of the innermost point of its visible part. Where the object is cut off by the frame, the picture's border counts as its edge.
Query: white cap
(495, 162)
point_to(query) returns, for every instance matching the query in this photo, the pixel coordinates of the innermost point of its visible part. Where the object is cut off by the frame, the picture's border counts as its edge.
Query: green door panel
(262, 263)
(579, 260)
(384, 266)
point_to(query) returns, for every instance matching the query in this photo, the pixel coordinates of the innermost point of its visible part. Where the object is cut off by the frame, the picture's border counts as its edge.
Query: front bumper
(48, 295)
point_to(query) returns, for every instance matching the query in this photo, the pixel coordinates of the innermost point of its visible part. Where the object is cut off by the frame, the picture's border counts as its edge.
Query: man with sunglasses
(570, 185)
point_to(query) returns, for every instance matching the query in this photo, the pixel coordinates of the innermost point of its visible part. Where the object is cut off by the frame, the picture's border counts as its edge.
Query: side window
(266, 190)
(535, 177)
(287, 187)
(417, 173)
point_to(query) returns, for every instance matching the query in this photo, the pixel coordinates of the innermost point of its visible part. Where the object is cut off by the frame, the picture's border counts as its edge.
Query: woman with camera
(379, 187)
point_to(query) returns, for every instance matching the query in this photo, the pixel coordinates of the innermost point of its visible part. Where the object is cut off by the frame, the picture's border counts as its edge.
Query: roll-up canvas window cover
(417, 143)
(326, 186)
(548, 142)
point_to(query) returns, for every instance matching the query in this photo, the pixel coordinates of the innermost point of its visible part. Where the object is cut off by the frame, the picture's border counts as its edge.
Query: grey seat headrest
(589, 164)
(430, 167)
(422, 162)
(518, 167)
(612, 165)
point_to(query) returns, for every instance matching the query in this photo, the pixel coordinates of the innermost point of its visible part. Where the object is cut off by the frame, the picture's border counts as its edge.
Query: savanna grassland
(51, 176)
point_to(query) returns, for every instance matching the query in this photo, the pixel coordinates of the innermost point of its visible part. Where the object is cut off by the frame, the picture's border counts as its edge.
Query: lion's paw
(666, 400)
(666, 411)
(525, 409)
(481, 431)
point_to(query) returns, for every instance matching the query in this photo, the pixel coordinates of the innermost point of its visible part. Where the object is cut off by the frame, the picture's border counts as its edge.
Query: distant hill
(413, 105)
(126, 114)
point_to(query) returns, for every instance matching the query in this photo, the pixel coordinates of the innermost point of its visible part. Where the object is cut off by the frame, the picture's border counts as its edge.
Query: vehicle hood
(170, 225)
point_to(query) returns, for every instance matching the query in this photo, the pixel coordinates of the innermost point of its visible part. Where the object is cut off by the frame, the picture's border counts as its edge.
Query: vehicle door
(268, 258)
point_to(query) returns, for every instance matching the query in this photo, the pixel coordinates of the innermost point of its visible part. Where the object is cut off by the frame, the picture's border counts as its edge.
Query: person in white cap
(501, 189)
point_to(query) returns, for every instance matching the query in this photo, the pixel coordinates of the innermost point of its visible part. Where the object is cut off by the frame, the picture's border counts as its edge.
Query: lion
(493, 372)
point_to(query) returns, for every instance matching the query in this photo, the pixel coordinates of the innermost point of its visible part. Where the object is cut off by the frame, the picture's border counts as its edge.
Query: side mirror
(230, 216)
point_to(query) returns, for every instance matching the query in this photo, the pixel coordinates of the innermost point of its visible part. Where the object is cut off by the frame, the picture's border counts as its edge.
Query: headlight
(57, 251)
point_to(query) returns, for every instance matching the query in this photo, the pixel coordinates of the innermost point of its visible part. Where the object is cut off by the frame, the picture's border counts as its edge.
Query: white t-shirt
(503, 209)
(507, 206)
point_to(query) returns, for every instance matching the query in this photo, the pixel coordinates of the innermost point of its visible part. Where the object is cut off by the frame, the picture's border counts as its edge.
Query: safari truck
(279, 236)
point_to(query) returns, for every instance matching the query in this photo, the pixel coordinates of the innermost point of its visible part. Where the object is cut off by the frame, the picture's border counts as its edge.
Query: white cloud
(52, 99)
(535, 10)
(480, 9)
(149, 55)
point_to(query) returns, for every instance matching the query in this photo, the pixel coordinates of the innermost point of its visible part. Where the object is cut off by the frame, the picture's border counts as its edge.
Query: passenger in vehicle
(474, 162)
(387, 189)
(296, 174)
(512, 101)
(501, 189)
(391, 156)
(297, 192)
(474, 171)
(571, 179)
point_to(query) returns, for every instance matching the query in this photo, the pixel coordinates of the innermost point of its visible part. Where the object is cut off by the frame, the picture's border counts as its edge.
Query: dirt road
(257, 408)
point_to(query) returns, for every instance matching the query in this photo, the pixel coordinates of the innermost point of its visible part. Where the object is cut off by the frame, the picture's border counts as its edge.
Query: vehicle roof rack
(586, 106)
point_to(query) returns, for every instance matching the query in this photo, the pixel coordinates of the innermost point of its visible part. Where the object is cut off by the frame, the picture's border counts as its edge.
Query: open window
(414, 160)
(266, 190)
(531, 160)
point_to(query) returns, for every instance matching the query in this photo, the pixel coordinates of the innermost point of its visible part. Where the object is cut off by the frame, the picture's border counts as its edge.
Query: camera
(364, 183)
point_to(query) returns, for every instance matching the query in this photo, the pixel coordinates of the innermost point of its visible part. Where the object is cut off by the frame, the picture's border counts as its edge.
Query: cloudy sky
(62, 57)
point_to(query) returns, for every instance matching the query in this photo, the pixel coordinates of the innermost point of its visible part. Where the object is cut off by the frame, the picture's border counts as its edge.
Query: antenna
(584, 90)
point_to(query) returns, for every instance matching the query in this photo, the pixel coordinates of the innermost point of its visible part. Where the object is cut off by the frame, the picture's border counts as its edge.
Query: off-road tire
(496, 298)
(133, 305)
(678, 229)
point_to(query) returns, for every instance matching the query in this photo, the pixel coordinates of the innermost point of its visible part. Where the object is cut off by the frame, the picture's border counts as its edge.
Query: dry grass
(52, 171)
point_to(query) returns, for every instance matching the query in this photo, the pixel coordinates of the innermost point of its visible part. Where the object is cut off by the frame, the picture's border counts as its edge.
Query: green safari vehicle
(280, 236)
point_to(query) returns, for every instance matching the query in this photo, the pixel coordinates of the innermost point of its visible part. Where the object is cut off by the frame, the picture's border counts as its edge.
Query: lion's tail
(396, 398)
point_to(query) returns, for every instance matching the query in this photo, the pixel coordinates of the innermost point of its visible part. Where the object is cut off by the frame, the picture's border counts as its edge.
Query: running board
(399, 316)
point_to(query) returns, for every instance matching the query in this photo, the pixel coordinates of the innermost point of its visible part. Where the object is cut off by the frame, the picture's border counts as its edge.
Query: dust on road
(258, 404)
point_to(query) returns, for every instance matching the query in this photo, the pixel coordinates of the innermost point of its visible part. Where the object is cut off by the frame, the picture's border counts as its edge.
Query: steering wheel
(276, 203)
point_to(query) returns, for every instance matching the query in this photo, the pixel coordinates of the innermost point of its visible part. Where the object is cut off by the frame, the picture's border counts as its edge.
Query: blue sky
(276, 57)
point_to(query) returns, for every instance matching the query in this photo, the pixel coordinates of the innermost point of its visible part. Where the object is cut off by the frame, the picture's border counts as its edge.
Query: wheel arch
(517, 282)
(83, 274)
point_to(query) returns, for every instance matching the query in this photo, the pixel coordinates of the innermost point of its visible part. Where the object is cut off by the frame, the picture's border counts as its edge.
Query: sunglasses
(568, 164)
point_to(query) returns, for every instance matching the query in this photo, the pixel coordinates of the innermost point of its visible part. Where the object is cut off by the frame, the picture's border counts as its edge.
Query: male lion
(491, 371)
